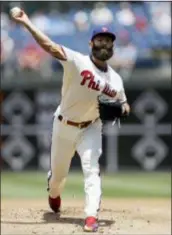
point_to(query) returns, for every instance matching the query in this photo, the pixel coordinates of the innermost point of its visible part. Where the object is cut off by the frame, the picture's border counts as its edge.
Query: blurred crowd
(142, 28)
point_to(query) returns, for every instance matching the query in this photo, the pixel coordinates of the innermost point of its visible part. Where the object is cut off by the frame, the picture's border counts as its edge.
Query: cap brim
(105, 33)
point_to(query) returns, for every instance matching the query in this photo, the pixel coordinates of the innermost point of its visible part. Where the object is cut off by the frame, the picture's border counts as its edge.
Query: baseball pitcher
(77, 125)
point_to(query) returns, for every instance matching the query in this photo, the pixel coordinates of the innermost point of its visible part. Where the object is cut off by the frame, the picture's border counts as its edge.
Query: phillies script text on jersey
(95, 85)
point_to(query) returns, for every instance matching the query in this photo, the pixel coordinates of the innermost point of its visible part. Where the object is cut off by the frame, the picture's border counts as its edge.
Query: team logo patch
(104, 29)
(88, 76)
(89, 81)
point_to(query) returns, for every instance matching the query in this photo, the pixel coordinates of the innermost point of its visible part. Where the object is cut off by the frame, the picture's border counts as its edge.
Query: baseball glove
(110, 110)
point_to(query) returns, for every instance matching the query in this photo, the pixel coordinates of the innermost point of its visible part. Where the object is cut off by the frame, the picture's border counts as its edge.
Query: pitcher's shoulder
(114, 74)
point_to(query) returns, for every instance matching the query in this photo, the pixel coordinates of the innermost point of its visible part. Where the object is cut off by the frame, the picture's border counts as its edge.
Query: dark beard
(102, 53)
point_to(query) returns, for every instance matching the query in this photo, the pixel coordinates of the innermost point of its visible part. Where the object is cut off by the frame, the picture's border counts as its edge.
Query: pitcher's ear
(90, 44)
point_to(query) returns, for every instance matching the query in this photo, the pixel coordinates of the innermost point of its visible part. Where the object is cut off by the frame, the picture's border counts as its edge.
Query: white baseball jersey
(82, 84)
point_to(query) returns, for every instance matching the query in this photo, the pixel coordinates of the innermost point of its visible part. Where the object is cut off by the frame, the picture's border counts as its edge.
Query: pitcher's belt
(79, 125)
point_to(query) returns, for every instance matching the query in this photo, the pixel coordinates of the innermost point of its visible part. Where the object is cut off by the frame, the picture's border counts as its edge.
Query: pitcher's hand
(19, 16)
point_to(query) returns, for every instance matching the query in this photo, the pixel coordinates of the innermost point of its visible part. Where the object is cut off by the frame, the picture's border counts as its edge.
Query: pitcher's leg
(62, 151)
(90, 149)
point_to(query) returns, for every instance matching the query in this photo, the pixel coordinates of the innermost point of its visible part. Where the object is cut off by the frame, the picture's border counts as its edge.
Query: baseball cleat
(91, 224)
(55, 203)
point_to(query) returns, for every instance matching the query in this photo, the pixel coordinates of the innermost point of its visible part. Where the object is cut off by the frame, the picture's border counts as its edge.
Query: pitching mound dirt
(118, 216)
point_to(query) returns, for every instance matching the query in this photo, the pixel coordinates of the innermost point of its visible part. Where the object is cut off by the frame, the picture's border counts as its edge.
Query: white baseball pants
(67, 139)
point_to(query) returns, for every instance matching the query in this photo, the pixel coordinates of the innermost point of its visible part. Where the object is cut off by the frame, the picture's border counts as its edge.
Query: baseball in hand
(16, 12)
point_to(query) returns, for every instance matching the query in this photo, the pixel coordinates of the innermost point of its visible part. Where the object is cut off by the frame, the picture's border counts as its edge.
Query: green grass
(134, 184)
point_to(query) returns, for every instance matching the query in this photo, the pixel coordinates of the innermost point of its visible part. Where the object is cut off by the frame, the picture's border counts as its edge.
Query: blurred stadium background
(137, 157)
